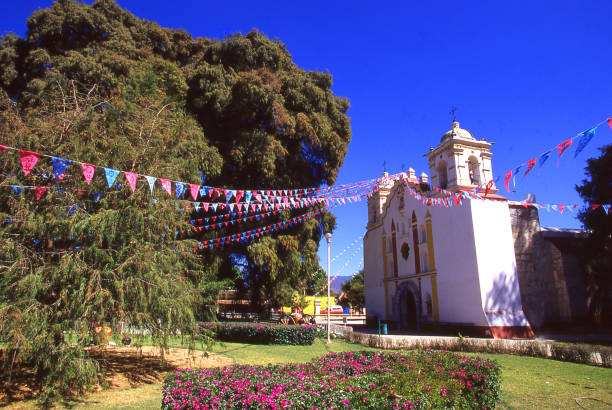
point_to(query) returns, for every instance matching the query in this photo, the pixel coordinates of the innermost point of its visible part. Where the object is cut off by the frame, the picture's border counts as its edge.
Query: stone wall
(550, 277)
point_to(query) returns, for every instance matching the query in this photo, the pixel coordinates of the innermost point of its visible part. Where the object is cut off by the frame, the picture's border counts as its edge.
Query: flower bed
(262, 333)
(417, 379)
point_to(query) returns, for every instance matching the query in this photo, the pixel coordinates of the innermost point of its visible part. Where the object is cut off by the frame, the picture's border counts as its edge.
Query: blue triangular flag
(97, 197)
(17, 189)
(247, 196)
(59, 166)
(203, 192)
(544, 157)
(111, 175)
(151, 181)
(606, 208)
(583, 139)
(180, 189)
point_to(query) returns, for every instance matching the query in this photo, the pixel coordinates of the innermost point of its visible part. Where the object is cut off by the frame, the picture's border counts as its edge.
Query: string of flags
(580, 141)
(348, 247)
(29, 159)
(456, 198)
(264, 203)
(346, 263)
(242, 237)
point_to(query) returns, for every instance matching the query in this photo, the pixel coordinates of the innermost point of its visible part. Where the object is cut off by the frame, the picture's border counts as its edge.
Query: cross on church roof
(452, 112)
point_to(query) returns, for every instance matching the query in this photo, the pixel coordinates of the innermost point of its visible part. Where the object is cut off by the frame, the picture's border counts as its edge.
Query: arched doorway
(408, 311)
(406, 306)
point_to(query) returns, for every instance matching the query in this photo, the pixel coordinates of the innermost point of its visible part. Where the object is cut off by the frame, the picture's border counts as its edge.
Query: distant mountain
(337, 283)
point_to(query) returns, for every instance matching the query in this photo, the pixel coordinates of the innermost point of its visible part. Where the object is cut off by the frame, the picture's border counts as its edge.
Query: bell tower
(378, 199)
(460, 162)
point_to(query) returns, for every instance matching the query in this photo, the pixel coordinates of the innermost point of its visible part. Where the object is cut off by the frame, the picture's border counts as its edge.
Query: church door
(408, 311)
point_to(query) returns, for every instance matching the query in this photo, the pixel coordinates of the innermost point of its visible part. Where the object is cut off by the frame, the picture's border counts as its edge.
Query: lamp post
(328, 236)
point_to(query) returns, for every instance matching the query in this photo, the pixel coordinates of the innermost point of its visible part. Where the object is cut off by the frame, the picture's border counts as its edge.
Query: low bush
(417, 379)
(262, 333)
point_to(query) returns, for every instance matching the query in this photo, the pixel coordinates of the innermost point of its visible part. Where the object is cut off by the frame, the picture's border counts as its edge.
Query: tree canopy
(597, 189)
(95, 84)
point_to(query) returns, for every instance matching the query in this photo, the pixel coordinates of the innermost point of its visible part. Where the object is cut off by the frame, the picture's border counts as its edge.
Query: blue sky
(526, 75)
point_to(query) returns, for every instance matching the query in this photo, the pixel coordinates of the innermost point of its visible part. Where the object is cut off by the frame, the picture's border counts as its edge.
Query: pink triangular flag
(2, 148)
(167, 185)
(88, 172)
(28, 160)
(40, 191)
(131, 178)
(194, 189)
(205, 206)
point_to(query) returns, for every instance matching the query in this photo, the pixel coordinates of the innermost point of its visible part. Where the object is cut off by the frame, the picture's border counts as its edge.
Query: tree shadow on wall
(502, 305)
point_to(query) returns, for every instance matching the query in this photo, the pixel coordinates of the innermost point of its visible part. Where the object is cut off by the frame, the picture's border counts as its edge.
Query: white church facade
(434, 266)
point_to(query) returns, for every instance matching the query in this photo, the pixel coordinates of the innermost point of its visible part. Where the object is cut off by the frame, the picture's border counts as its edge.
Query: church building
(435, 266)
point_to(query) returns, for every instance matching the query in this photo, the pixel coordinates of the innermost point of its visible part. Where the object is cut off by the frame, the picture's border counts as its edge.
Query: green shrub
(262, 333)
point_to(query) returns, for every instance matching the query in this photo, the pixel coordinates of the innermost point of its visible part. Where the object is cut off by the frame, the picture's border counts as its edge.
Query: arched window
(415, 244)
(474, 168)
(442, 175)
(425, 261)
(394, 245)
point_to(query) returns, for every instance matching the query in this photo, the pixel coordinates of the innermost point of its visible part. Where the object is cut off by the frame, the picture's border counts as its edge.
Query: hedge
(359, 380)
(262, 333)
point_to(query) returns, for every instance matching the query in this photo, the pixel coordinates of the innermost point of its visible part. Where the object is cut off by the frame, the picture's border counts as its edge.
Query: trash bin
(383, 328)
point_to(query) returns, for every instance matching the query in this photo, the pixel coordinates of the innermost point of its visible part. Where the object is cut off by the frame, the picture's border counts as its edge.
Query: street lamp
(328, 236)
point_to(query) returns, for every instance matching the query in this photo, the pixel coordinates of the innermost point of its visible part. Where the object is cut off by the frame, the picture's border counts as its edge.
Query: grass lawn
(530, 382)
(527, 382)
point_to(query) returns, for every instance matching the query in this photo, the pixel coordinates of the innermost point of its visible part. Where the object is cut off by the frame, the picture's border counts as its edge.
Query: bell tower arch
(460, 162)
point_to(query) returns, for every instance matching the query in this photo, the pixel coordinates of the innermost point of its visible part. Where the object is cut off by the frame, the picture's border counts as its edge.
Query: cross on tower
(452, 112)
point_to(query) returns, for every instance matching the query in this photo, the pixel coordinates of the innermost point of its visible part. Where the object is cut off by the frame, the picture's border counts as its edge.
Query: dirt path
(124, 367)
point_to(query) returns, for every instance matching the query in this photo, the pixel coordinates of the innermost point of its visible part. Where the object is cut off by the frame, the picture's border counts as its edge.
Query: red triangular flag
(561, 207)
(508, 176)
(88, 172)
(28, 160)
(564, 145)
(40, 191)
(610, 122)
(131, 178)
(2, 148)
(530, 164)
(166, 185)
(239, 195)
(194, 189)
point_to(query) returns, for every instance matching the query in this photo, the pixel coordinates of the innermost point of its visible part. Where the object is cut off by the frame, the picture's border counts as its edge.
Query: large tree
(93, 83)
(597, 189)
